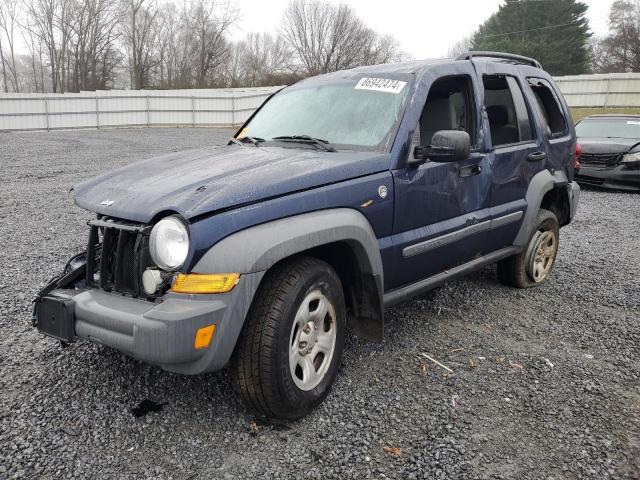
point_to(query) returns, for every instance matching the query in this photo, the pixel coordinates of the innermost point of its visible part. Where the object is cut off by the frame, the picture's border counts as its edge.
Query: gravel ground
(546, 382)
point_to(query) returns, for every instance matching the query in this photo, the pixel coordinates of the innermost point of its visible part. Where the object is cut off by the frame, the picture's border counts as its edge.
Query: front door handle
(469, 171)
(536, 156)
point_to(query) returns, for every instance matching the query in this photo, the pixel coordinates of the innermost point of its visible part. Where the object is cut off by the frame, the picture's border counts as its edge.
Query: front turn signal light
(203, 337)
(204, 283)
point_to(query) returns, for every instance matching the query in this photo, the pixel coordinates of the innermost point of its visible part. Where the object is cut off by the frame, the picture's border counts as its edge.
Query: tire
(290, 347)
(533, 266)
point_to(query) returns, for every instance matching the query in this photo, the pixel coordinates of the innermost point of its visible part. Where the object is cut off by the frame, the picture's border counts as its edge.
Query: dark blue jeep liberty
(341, 195)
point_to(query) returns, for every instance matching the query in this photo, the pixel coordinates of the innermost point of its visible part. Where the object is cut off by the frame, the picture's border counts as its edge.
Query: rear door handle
(536, 156)
(469, 171)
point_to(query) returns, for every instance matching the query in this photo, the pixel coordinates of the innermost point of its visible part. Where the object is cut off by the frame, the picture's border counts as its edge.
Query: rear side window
(509, 119)
(549, 106)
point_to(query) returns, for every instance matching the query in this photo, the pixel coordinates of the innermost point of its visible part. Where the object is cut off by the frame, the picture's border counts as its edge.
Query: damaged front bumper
(160, 333)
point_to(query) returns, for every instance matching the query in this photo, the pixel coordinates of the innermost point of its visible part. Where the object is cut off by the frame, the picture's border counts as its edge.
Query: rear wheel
(288, 353)
(533, 266)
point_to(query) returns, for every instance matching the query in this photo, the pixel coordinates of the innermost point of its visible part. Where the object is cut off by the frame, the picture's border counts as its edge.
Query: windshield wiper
(306, 139)
(254, 140)
(244, 140)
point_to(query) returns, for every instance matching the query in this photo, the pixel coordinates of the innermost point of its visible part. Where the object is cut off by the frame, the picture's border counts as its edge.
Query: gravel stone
(546, 381)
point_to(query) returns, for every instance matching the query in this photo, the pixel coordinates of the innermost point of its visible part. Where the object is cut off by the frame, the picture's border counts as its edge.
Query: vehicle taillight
(576, 159)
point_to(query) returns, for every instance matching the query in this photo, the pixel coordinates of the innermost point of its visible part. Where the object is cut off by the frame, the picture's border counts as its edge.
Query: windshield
(609, 127)
(359, 113)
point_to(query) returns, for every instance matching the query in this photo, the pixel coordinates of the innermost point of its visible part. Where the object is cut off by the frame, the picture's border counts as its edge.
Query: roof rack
(501, 55)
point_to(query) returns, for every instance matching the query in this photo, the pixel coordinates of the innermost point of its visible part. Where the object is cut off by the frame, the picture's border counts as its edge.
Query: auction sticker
(381, 85)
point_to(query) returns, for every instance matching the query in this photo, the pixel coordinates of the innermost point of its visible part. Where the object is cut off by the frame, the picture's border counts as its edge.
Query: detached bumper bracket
(55, 316)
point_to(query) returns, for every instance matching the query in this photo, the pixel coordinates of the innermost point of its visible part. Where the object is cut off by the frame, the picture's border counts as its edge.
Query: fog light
(204, 283)
(203, 337)
(151, 280)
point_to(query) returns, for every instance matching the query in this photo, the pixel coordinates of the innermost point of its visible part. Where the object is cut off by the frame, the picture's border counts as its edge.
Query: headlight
(169, 243)
(631, 158)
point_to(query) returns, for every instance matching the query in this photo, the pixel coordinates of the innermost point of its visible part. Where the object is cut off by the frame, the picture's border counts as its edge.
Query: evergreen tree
(555, 32)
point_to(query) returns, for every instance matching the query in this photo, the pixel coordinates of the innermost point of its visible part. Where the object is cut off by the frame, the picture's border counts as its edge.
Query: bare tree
(620, 50)
(53, 21)
(234, 70)
(94, 47)
(141, 30)
(175, 41)
(193, 48)
(65, 22)
(329, 37)
(210, 45)
(384, 49)
(94, 44)
(9, 16)
(4, 68)
(461, 46)
(263, 58)
(600, 56)
(259, 60)
(36, 53)
(42, 23)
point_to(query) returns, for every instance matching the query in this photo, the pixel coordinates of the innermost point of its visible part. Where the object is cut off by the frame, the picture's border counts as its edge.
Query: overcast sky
(424, 28)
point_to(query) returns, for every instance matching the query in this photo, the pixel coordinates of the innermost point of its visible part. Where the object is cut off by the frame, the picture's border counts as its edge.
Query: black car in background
(610, 151)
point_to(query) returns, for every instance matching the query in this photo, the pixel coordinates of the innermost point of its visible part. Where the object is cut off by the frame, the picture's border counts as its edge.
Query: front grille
(117, 255)
(601, 159)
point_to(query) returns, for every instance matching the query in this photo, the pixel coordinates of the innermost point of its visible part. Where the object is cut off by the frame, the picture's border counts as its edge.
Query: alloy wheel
(312, 340)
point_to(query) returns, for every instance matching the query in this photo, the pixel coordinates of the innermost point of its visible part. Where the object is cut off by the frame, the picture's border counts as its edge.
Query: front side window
(549, 106)
(359, 113)
(449, 106)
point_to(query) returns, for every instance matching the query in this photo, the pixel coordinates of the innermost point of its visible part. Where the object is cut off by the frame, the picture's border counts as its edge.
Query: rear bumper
(574, 197)
(163, 333)
(618, 178)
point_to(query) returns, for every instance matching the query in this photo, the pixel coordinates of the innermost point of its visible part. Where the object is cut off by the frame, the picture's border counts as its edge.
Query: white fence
(225, 107)
(601, 90)
(141, 108)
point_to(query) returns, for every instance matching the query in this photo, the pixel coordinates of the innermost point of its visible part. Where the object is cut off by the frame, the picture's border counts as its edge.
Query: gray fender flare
(541, 183)
(257, 249)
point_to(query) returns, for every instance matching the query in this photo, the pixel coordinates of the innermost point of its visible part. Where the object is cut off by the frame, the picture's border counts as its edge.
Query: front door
(441, 209)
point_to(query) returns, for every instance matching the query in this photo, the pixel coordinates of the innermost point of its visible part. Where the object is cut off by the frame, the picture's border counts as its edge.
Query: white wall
(126, 108)
(601, 90)
(225, 107)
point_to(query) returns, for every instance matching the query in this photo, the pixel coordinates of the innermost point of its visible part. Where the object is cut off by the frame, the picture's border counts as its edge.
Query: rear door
(558, 131)
(515, 151)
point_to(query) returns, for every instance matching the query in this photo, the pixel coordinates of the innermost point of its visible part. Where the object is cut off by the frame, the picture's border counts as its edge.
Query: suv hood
(607, 145)
(203, 181)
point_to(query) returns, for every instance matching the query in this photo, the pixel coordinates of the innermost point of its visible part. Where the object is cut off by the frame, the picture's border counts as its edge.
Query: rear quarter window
(550, 108)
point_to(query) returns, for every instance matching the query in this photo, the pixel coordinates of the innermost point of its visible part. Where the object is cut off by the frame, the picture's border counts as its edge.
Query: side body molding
(540, 184)
(256, 249)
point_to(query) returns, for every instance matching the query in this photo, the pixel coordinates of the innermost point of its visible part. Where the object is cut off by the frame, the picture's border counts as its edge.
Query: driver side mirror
(446, 146)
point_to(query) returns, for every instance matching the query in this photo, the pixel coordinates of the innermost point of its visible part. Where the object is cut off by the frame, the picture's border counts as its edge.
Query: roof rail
(501, 55)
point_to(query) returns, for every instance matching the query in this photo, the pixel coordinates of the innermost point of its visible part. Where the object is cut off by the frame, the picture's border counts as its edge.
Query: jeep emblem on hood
(106, 203)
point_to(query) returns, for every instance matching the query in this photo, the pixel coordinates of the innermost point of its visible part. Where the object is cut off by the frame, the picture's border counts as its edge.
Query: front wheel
(533, 266)
(289, 351)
